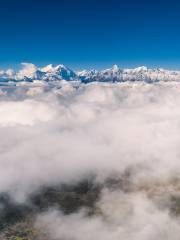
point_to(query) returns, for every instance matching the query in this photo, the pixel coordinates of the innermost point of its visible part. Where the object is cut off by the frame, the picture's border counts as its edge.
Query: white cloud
(98, 128)
(51, 135)
(28, 70)
(123, 216)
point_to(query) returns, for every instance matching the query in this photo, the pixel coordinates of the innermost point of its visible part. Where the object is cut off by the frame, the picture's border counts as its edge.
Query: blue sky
(89, 33)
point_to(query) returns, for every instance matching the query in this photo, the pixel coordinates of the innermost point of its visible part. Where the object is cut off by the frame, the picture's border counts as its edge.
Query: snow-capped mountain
(112, 74)
(30, 73)
(48, 73)
(115, 74)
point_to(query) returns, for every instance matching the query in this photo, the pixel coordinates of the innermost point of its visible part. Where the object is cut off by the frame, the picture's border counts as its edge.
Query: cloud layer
(64, 133)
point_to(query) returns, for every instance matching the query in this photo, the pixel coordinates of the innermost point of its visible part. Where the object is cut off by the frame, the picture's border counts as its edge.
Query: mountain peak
(47, 68)
(141, 68)
(115, 68)
(30, 72)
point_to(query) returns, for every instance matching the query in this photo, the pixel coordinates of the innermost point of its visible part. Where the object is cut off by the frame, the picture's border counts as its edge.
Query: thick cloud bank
(129, 132)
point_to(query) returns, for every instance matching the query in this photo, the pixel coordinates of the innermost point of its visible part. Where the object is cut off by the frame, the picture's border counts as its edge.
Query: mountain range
(30, 72)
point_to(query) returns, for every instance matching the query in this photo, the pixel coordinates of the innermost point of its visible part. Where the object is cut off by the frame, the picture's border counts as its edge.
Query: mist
(124, 132)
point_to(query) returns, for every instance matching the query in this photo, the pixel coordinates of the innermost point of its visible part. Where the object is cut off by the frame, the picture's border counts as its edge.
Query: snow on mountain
(115, 74)
(31, 72)
(47, 73)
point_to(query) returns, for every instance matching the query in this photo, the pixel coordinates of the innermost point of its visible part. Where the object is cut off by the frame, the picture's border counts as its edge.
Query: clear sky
(89, 33)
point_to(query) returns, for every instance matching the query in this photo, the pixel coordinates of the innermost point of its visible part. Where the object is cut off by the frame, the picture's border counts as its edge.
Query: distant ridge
(31, 72)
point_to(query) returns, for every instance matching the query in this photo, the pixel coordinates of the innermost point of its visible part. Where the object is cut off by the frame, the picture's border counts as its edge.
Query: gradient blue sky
(89, 33)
